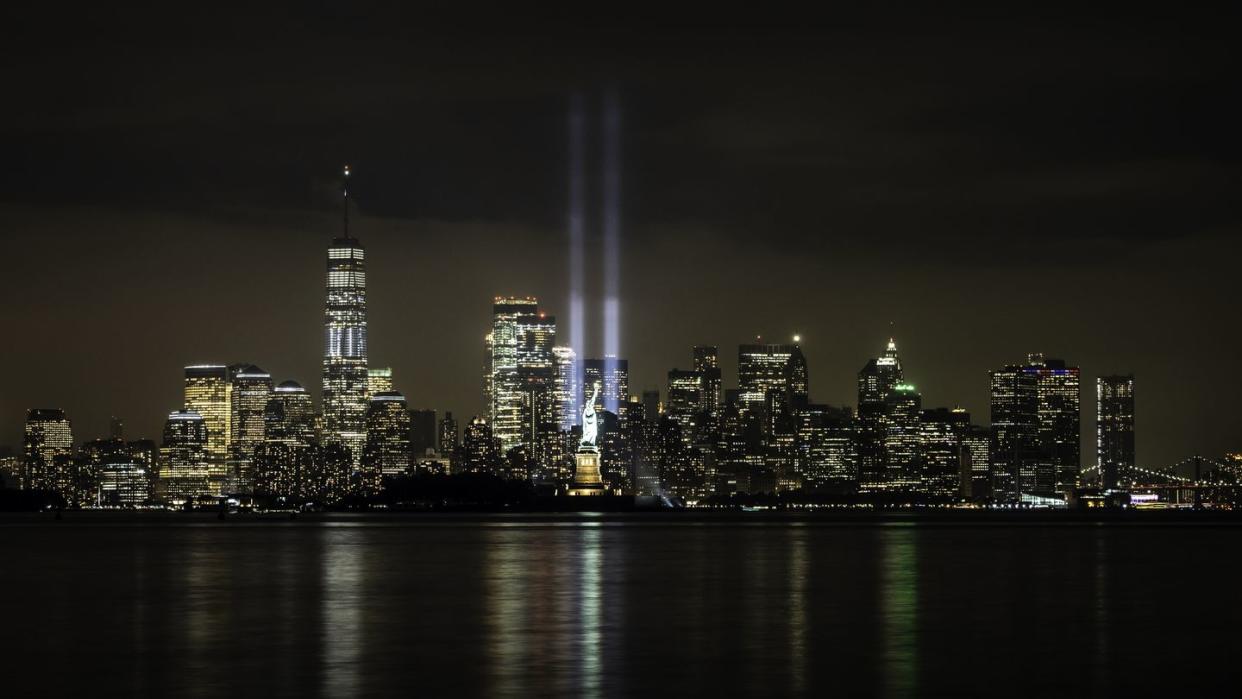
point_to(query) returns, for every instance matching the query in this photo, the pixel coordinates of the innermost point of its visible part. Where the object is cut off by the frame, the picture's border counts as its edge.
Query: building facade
(387, 450)
(48, 438)
(345, 373)
(185, 472)
(1114, 430)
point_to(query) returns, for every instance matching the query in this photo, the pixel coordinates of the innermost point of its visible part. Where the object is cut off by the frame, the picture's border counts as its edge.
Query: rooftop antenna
(345, 199)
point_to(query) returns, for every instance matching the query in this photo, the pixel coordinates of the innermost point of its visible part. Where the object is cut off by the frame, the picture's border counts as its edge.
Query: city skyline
(1071, 195)
(729, 367)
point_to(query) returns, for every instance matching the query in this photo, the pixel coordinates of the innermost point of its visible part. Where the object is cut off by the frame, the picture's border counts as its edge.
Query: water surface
(614, 606)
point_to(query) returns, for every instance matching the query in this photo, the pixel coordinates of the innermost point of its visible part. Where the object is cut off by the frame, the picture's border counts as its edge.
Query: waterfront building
(387, 449)
(184, 458)
(345, 373)
(208, 393)
(875, 381)
(48, 436)
(1114, 430)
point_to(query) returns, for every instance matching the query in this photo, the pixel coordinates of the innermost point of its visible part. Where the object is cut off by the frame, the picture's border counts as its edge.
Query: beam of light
(577, 225)
(612, 240)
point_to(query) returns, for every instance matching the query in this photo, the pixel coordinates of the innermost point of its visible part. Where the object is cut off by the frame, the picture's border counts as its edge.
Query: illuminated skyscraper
(49, 437)
(707, 360)
(1035, 426)
(1017, 466)
(387, 450)
(941, 455)
(379, 380)
(121, 471)
(184, 471)
(1114, 429)
(289, 416)
(688, 398)
(776, 370)
(1060, 419)
(478, 448)
(345, 341)
(447, 441)
(902, 423)
(876, 380)
(250, 389)
(208, 393)
(566, 362)
(976, 442)
(521, 373)
(825, 449)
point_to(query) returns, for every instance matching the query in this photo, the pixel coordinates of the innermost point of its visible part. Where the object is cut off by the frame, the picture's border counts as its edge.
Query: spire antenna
(345, 199)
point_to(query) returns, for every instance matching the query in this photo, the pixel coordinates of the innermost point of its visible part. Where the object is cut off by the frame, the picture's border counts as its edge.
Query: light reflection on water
(606, 607)
(797, 608)
(899, 602)
(344, 572)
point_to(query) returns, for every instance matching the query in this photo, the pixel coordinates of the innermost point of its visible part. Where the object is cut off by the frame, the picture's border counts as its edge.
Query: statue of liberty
(589, 428)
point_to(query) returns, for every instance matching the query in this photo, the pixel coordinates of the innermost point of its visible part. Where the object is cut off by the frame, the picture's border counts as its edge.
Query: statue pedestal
(587, 479)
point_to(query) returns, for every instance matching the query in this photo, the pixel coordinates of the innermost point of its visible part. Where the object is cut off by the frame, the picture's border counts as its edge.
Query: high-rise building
(521, 374)
(1114, 429)
(122, 472)
(379, 380)
(422, 432)
(1017, 464)
(941, 433)
(825, 448)
(289, 416)
(776, 369)
(184, 461)
(977, 480)
(707, 360)
(1060, 419)
(613, 377)
(1036, 428)
(116, 428)
(250, 389)
(479, 448)
(48, 438)
(566, 387)
(447, 441)
(345, 376)
(208, 393)
(903, 414)
(688, 398)
(387, 451)
(875, 381)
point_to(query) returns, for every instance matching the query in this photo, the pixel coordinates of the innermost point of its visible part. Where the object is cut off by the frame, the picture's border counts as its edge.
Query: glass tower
(184, 456)
(1114, 429)
(387, 451)
(520, 381)
(208, 393)
(49, 435)
(250, 390)
(345, 375)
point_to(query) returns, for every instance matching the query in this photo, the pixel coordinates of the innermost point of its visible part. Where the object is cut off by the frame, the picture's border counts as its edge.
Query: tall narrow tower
(345, 340)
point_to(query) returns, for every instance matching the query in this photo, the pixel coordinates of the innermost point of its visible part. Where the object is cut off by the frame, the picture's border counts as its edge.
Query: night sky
(979, 187)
